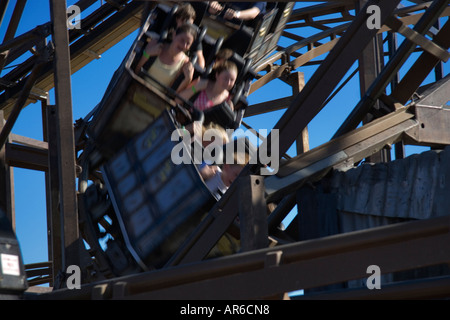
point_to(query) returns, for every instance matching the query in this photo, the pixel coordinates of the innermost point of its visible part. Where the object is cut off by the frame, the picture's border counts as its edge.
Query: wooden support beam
(297, 81)
(370, 65)
(6, 182)
(65, 133)
(12, 27)
(26, 157)
(309, 102)
(54, 221)
(391, 69)
(107, 27)
(423, 66)
(353, 147)
(268, 106)
(252, 213)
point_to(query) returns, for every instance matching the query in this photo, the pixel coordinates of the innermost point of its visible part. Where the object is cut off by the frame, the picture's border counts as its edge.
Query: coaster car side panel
(158, 203)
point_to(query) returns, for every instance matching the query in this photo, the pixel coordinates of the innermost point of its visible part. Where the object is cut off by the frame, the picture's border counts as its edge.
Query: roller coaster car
(131, 103)
(159, 203)
(252, 40)
(13, 281)
(151, 204)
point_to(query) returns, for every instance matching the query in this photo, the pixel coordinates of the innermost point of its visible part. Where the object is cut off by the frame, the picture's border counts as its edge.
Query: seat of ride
(254, 39)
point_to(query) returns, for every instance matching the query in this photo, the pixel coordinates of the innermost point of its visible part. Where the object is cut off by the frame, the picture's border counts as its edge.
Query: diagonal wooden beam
(310, 100)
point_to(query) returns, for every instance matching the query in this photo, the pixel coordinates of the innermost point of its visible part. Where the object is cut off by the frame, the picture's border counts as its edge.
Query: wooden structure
(265, 269)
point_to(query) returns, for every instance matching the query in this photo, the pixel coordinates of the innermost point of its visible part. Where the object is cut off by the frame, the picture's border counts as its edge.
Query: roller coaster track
(410, 114)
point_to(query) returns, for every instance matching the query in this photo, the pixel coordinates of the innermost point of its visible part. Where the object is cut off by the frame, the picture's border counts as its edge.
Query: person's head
(184, 37)
(225, 75)
(230, 171)
(214, 131)
(223, 55)
(184, 14)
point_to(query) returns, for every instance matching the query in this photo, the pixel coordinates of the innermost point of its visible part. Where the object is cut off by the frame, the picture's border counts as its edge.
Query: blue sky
(88, 87)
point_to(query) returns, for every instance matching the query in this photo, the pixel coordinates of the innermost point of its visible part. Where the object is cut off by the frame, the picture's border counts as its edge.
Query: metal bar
(65, 134)
(319, 10)
(351, 138)
(23, 38)
(318, 263)
(370, 65)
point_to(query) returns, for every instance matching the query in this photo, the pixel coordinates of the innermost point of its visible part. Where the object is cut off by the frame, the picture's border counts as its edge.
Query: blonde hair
(241, 158)
(218, 131)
